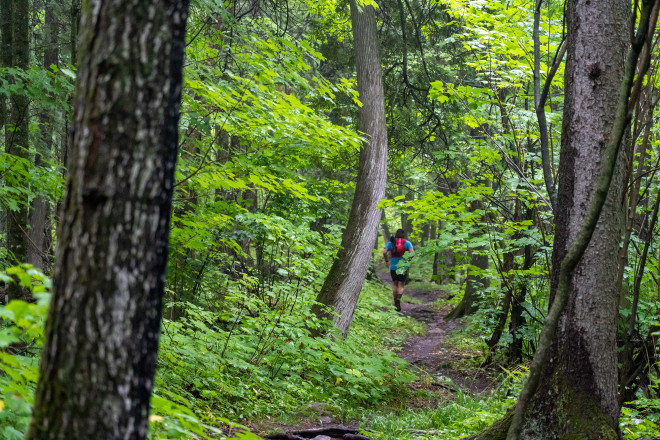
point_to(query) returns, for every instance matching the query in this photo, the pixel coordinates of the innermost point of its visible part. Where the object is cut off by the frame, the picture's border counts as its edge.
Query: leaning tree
(342, 286)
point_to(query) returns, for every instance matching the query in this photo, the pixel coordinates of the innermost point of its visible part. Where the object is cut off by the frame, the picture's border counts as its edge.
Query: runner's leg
(398, 288)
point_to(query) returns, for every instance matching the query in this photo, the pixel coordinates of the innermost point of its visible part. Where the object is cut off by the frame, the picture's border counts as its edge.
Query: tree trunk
(474, 282)
(342, 286)
(6, 29)
(578, 392)
(443, 262)
(435, 277)
(39, 231)
(17, 144)
(385, 228)
(539, 105)
(505, 268)
(406, 223)
(6, 58)
(98, 362)
(74, 15)
(515, 351)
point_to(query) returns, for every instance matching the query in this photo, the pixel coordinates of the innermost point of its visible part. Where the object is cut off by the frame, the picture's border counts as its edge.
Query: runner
(397, 246)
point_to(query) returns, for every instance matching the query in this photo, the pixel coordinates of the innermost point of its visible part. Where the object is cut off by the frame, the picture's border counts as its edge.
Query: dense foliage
(265, 176)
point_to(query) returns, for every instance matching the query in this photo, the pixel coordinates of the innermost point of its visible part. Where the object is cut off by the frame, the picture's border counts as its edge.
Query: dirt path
(430, 352)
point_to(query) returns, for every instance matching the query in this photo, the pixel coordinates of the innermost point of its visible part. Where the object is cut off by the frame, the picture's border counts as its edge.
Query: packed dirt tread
(430, 352)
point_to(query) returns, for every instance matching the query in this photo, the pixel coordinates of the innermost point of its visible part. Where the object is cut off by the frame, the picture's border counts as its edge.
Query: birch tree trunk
(342, 286)
(98, 362)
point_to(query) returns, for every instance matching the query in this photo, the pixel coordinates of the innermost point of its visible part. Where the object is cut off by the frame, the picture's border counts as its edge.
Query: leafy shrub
(449, 420)
(268, 363)
(642, 420)
(21, 338)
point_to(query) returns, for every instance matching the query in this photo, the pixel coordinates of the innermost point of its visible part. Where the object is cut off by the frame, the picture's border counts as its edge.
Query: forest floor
(445, 367)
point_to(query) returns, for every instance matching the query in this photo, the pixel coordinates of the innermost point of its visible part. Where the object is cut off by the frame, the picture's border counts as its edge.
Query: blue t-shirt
(389, 246)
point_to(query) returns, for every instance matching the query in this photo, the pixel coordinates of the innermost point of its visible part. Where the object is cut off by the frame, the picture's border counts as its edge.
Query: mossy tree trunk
(571, 390)
(576, 396)
(578, 391)
(98, 362)
(342, 286)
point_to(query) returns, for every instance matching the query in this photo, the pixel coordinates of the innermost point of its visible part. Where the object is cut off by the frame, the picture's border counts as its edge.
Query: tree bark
(443, 266)
(474, 283)
(539, 104)
(406, 223)
(74, 15)
(385, 227)
(571, 390)
(505, 268)
(342, 286)
(98, 362)
(6, 29)
(515, 350)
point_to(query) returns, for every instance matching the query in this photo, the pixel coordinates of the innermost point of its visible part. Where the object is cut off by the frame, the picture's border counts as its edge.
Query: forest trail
(430, 352)
(444, 372)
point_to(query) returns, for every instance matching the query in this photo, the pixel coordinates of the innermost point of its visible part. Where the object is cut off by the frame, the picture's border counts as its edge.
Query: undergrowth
(451, 419)
(270, 367)
(267, 368)
(451, 415)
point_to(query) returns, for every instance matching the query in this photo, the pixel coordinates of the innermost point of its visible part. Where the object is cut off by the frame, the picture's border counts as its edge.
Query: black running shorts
(398, 277)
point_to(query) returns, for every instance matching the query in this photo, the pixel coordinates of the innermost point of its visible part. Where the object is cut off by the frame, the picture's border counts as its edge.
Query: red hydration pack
(398, 247)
